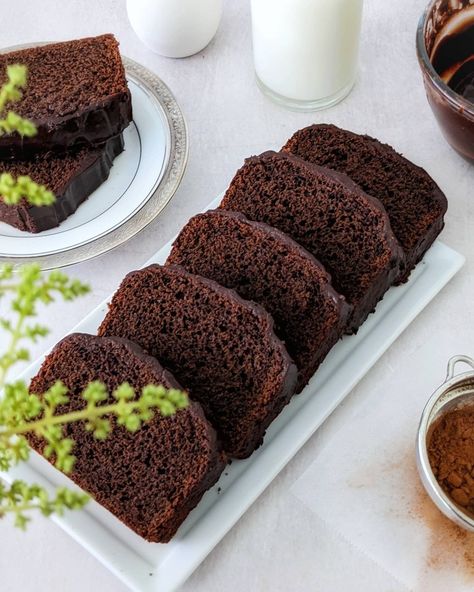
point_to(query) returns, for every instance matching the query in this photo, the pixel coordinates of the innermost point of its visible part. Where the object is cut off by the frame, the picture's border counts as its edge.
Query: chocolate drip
(95, 169)
(90, 128)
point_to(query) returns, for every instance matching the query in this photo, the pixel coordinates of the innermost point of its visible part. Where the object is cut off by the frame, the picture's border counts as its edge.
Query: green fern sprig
(23, 413)
(29, 287)
(11, 92)
(12, 190)
(20, 498)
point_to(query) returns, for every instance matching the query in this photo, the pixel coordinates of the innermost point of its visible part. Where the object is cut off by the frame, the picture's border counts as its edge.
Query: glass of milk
(306, 51)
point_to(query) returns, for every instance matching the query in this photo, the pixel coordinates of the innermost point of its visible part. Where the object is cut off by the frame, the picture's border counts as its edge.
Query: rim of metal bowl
(457, 101)
(159, 196)
(433, 488)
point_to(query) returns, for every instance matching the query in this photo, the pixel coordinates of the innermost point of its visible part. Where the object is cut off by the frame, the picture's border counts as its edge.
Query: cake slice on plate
(221, 348)
(415, 204)
(262, 264)
(77, 93)
(324, 211)
(71, 176)
(152, 478)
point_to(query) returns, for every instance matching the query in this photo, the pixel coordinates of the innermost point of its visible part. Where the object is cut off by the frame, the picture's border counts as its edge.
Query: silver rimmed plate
(142, 181)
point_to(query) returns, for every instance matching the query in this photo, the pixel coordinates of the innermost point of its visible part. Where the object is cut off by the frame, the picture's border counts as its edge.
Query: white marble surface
(280, 544)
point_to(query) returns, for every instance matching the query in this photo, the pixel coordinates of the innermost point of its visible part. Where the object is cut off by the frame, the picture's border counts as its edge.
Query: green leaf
(124, 392)
(95, 392)
(13, 191)
(56, 395)
(17, 75)
(21, 521)
(132, 423)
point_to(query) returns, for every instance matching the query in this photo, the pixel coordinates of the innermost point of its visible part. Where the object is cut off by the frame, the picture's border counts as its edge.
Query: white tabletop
(281, 543)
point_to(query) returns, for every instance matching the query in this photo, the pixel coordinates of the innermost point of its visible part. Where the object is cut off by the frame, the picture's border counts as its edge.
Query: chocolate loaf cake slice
(72, 177)
(150, 479)
(345, 229)
(220, 347)
(415, 204)
(77, 93)
(262, 264)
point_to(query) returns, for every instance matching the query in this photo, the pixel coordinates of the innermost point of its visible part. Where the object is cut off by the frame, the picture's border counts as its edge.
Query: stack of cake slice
(415, 204)
(252, 298)
(78, 98)
(221, 348)
(264, 265)
(348, 231)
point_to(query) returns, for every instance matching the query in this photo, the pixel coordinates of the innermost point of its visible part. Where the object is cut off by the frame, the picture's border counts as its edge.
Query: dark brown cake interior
(220, 347)
(52, 169)
(67, 77)
(415, 204)
(348, 231)
(71, 176)
(264, 265)
(149, 479)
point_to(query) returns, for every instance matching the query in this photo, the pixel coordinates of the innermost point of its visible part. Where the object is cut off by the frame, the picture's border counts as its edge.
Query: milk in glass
(306, 51)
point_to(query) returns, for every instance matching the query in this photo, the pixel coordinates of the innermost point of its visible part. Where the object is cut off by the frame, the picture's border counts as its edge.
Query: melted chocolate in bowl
(446, 52)
(463, 81)
(452, 55)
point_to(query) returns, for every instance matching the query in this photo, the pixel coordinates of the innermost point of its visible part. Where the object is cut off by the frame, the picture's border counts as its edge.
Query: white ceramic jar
(175, 28)
(306, 51)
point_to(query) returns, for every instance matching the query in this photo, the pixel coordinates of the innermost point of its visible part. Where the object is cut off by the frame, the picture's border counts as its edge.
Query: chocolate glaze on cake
(77, 93)
(344, 228)
(150, 479)
(267, 266)
(71, 176)
(415, 204)
(220, 347)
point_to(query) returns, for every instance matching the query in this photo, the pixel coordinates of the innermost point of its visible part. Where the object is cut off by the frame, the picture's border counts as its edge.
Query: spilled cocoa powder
(451, 455)
(449, 547)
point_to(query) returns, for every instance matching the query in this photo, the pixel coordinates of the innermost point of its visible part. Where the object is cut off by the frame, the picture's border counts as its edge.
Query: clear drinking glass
(306, 51)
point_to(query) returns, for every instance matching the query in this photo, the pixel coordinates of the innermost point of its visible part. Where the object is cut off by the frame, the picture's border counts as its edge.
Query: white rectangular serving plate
(147, 567)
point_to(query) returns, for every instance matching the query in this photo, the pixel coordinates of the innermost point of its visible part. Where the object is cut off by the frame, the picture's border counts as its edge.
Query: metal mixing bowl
(456, 392)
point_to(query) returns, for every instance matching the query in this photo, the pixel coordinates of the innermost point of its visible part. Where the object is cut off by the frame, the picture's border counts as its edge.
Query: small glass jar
(306, 51)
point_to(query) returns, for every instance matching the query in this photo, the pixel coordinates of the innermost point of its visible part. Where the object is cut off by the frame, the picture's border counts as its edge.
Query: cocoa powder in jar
(451, 455)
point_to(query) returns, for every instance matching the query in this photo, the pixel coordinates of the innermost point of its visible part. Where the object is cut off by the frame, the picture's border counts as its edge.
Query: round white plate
(142, 181)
